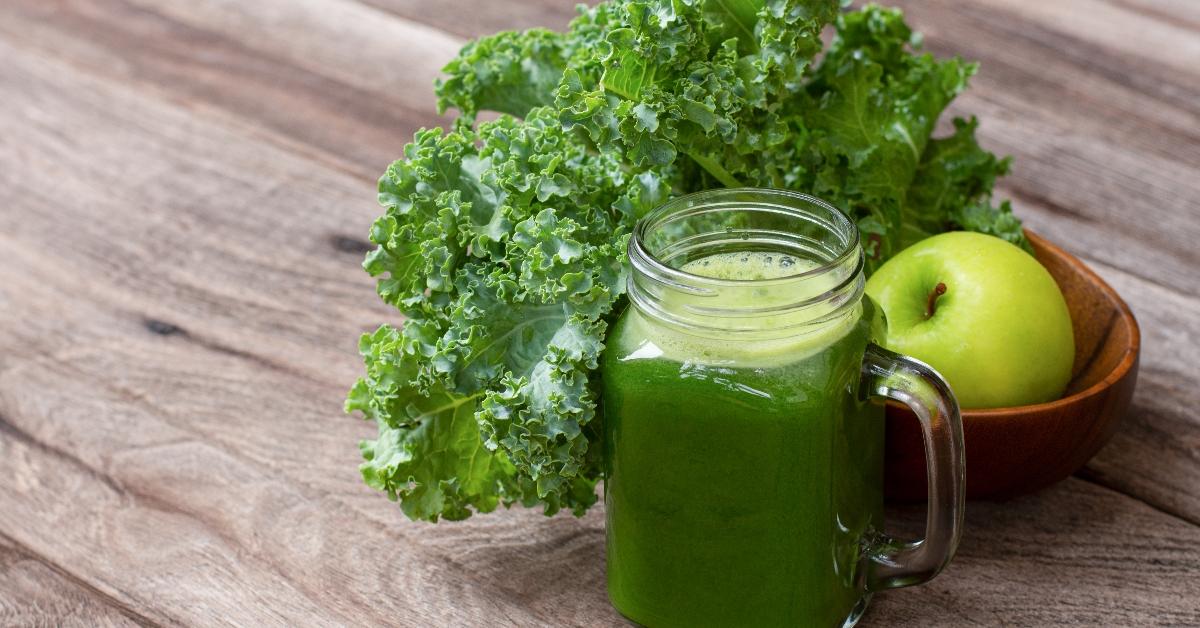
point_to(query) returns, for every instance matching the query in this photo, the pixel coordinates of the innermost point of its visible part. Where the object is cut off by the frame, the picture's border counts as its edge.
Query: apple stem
(931, 305)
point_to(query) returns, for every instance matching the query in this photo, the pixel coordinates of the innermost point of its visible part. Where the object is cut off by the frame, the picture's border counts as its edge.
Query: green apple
(983, 313)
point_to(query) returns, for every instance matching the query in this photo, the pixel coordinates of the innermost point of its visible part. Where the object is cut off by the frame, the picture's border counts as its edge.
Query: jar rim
(638, 253)
(791, 223)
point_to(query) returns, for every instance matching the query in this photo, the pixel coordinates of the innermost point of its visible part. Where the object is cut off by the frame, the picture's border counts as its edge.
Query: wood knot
(347, 244)
(162, 328)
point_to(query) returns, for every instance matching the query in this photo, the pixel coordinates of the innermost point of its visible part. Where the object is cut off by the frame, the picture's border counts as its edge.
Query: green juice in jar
(744, 476)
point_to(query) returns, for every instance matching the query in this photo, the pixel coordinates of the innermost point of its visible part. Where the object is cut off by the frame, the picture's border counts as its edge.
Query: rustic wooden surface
(184, 190)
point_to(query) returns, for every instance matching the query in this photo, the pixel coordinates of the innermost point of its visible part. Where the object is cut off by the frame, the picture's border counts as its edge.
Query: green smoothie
(742, 476)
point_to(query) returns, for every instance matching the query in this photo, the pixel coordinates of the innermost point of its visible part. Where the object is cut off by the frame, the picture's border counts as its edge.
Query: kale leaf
(502, 243)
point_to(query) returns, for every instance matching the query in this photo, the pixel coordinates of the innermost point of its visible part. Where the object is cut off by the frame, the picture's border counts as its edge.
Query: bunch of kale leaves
(503, 242)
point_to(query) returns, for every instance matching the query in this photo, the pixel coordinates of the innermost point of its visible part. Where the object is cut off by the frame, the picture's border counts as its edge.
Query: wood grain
(468, 18)
(183, 387)
(33, 593)
(269, 64)
(1076, 554)
(1155, 456)
(183, 193)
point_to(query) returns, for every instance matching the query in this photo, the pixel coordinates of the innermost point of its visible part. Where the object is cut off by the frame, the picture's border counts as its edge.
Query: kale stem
(715, 169)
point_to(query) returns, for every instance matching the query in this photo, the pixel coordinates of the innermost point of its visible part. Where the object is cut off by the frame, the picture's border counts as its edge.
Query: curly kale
(502, 242)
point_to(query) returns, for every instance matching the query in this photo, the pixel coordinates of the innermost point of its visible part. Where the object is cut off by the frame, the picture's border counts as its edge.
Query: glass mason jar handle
(890, 563)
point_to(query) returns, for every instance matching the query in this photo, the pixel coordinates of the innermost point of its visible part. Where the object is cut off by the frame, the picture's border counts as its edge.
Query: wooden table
(184, 193)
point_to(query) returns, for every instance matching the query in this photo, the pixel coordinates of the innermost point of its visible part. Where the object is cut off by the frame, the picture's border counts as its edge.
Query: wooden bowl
(1012, 451)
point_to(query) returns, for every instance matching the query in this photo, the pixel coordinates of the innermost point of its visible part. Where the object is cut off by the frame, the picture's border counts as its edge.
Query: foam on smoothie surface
(682, 346)
(748, 265)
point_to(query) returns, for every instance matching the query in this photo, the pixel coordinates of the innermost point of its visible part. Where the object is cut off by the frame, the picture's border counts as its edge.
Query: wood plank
(1155, 455)
(245, 238)
(211, 529)
(224, 493)
(186, 396)
(320, 76)
(1075, 554)
(1184, 13)
(33, 593)
(470, 18)
(1122, 29)
(395, 59)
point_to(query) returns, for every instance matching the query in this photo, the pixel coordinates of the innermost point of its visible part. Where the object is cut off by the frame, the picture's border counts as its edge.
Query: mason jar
(744, 432)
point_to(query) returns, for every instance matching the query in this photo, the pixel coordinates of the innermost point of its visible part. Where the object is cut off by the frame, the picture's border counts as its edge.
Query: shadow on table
(1075, 552)
(553, 567)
